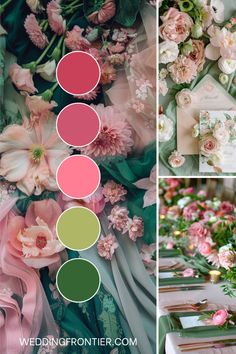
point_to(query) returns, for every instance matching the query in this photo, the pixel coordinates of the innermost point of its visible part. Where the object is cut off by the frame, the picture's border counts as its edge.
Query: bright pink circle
(78, 73)
(78, 176)
(78, 124)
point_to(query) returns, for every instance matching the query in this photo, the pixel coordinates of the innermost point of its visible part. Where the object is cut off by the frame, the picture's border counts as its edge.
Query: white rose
(34, 5)
(227, 66)
(166, 128)
(176, 159)
(221, 134)
(47, 70)
(163, 88)
(169, 52)
(184, 98)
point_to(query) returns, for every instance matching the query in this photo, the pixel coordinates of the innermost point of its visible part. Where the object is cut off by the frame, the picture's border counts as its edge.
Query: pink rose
(169, 245)
(186, 191)
(205, 249)
(198, 54)
(106, 246)
(209, 145)
(226, 207)
(22, 78)
(183, 70)
(105, 13)
(172, 182)
(188, 272)
(176, 26)
(220, 317)
(197, 230)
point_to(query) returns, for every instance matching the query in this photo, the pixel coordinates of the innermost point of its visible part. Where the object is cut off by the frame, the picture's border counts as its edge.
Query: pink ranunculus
(55, 19)
(205, 249)
(169, 245)
(136, 228)
(106, 246)
(197, 230)
(33, 239)
(75, 41)
(22, 78)
(226, 207)
(114, 192)
(119, 219)
(30, 155)
(37, 37)
(183, 70)
(104, 14)
(39, 109)
(188, 272)
(220, 317)
(176, 26)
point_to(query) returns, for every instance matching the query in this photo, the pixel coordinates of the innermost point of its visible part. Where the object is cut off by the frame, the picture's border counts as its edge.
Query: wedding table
(213, 293)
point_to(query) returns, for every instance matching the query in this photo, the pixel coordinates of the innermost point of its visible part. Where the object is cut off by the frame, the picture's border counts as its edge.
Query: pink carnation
(115, 137)
(220, 317)
(114, 192)
(106, 246)
(75, 41)
(205, 249)
(183, 70)
(136, 228)
(34, 31)
(105, 13)
(56, 22)
(22, 78)
(119, 219)
(197, 230)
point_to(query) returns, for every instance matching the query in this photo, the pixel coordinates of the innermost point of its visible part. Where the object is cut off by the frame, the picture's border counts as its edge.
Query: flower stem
(2, 7)
(46, 50)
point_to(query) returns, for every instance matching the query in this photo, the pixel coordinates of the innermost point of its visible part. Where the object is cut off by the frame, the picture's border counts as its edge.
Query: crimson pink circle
(78, 176)
(78, 73)
(78, 124)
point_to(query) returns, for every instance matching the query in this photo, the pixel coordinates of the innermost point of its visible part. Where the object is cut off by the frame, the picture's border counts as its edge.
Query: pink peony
(227, 258)
(119, 219)
(226, 207)
(75, 41)
(39, 109)
(115, 137)
(106, 246)
(136, 228)
(176, 26)
(108, 74)
(33, 238)
(34, 31)
(31, 155)
(220, 317)
(197, 230)
(22, 78)
(183, 70)
(114, 192)
(205, 249)
(56, 22)
(188, 272)
(104, 14)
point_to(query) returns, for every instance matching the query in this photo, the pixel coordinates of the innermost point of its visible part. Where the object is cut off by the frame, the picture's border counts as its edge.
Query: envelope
(208, 94)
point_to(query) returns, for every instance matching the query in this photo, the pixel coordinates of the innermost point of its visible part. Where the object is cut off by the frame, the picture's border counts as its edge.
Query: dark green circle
(78, 280)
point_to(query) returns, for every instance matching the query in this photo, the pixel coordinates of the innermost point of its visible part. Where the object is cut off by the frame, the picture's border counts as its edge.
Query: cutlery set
(180, 288)
(216, 344)
(198, 306)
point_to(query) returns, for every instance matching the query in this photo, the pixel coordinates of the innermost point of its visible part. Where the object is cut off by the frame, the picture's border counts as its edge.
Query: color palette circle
(78, 280)
(78, 73)
(78, 124)
(78, 228)
(78, 176)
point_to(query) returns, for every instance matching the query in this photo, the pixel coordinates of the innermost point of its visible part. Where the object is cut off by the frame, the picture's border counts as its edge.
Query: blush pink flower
(227, 258)
(197, 55)
(22, 78)
(113, 192)
(75, 41)
(31, 155)
(106, 246)
(176, 26)
(169, 245)
(115, 137)
(188, 272)
(209, 145)
(205, 249)
(226, 208)
(56, 21)
(183, 70)
(136, 228)
(148, 254)
(104, 14)
(39, 109)
(220, 317)
(89, 96)
(33, 238)
(34, 31)
(108, 74)
(119, 219)
(149, 184)
(197, 230)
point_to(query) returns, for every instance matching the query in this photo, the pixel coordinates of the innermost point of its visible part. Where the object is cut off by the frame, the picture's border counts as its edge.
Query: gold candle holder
(214, 276)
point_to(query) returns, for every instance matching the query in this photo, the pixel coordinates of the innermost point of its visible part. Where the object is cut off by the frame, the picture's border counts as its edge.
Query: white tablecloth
(215, 296)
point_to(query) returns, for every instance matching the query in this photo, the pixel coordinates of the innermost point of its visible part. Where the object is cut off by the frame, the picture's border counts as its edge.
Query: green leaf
(126, 11)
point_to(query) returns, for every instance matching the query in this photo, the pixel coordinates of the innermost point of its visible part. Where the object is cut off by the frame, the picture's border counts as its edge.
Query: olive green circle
(78, 280)
(78, 228)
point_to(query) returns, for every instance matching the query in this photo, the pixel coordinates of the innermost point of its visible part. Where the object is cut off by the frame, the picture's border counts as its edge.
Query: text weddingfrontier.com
(79, 342)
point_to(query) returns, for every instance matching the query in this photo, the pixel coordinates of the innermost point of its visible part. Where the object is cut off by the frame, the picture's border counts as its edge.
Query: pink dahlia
(56, 21)
(106, 246)
(119, 219)
(75, 41)
(114, 192)
(34, 31)
(115, 137)
(136, 228)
